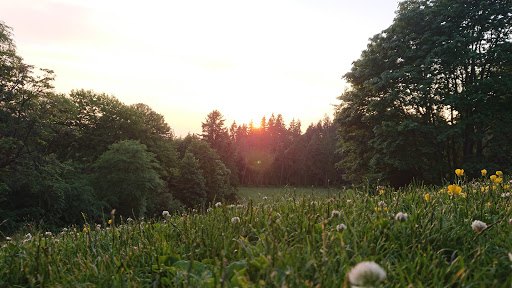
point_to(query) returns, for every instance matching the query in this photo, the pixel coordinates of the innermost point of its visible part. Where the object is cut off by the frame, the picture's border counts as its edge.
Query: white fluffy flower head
(335, 214)
(401, 216)
(166, 214)
(478, 226)
(366, 274)
(218, 204)
(341, 227)
(235, 220)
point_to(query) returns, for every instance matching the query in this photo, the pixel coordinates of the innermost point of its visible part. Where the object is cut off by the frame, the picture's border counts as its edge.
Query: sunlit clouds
(186, 58)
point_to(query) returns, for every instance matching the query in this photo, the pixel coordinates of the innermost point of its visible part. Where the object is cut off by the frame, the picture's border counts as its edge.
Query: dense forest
(69, 157)
(429, 94)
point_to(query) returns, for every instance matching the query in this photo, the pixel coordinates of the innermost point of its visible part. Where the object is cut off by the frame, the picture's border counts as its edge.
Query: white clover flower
(98, 226)
(348, 200)
(235, 220)
(218, 204)
(478, 226)
(335, 213)
(401, 216)
(129, 219)
(366, 274)
(28, 236)
(48, 233)
(341, 227)
(231, 206)
(209, 210)
(265, 198)
(505, 194)
(166, 214)
(65, 230)
(8, 238)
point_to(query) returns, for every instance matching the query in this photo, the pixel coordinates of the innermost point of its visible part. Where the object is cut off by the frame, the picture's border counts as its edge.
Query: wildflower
(498, 180)
(478, 226)
(278, 216)
(348, 200)
(265, 198)
(341, 227)
(464, 195)
(382, 204)
(209, 210)
(401, 216)
(484, 172)
(109, 221)
(231, 206)
(65, 230)
(366, 274)
(335, 213)
(48, 233)
(28, 236)
(218, 204)
(493, 178)
(235, 220)
(8, 238)
(454, 189)
(129, 219)
(427, 197)
(499, 173)
(459, 172)
(505, 194)
(165, 214)
(489, 204)
(85, 229)
(98, 226)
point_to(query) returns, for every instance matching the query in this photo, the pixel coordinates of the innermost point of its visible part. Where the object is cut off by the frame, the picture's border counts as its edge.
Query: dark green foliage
(125, 175)
(429, 94)
(191, 183)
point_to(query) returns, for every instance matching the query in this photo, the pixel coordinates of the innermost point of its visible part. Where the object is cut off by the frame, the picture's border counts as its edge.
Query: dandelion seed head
(401, 216)
(341, 227)
(366, 274)
(478, 226)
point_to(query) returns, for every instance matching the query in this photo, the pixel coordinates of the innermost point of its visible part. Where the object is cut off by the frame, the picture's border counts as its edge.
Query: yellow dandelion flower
(459, 172)
(381, 191)
(498, 180)
(484, 172)
(454, 189)
(427, 197)
(493, 178)
(489, 204)
(110, 221)
(499, 173)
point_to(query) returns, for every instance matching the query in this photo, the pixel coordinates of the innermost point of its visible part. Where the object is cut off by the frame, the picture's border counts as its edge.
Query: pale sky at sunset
(185, 58)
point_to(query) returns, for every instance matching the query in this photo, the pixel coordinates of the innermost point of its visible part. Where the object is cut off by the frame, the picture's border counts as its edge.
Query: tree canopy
(431, 93)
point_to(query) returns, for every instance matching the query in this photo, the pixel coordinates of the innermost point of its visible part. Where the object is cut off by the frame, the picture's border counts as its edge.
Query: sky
(247, 59)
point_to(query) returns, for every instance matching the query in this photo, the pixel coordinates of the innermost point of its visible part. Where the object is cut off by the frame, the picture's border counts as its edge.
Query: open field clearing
(453, 236)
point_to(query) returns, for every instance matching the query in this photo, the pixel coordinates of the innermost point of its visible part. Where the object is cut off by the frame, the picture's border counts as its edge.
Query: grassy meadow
(285, 238)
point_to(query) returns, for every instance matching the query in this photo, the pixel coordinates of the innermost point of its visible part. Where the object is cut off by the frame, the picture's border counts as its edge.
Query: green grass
(289, 239)
(257, 194)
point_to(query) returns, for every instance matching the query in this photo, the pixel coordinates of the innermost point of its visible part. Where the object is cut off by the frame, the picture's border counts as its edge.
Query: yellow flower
(499, 173)
(110, 221)
(489, 204)
(427, 197)
(484, 172)
(381, 191)
(454, 189)
(459, 172)
(498, 180)
(493, 178)
(463, 195)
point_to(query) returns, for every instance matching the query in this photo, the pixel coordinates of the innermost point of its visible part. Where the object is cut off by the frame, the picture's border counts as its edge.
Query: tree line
(70, 157)
(431, 93)
(273, 153)
(87, 152)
